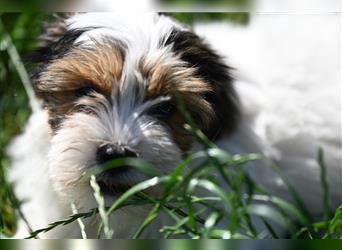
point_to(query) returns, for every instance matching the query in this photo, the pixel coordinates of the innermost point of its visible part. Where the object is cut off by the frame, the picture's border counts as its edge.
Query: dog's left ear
(212, 69)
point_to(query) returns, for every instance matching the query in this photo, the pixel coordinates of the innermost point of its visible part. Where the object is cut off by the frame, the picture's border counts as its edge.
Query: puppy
(108, 86)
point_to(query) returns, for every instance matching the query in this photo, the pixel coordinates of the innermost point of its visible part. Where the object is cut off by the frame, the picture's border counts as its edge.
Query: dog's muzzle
(111, 181)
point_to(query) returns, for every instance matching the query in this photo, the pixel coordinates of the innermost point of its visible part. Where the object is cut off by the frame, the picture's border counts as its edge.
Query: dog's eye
(163, 110)
(85, 91)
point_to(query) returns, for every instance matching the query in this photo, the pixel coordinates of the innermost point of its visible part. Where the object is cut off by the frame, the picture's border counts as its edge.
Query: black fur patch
(212, 69)
(56, 49)
(54, 42)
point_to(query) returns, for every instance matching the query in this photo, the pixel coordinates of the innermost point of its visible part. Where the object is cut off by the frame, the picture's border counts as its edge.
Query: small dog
(106, 84)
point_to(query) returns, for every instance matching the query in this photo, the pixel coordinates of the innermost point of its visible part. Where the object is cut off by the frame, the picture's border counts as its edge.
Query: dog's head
(110, 85)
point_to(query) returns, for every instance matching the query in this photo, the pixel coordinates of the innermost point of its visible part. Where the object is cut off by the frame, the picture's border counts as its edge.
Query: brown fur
(167, 78)
(101, 68)
(98, 68)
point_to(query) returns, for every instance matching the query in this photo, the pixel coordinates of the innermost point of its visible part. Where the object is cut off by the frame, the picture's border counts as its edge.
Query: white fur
(289, 82)
(287, 79)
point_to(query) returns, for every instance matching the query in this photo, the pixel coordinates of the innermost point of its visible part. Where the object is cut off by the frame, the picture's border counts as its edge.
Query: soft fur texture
(102, 77)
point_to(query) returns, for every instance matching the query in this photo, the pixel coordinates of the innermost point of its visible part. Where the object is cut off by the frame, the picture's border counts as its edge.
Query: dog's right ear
(52, 31)
(55, 40)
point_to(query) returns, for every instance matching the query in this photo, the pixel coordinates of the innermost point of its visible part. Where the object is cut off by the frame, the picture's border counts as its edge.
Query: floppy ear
(211, 68)
(55, 40)
(52, 31)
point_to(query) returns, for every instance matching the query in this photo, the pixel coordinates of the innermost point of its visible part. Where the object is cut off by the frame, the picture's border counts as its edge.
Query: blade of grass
(7, 43)
(135, 189)
(149, 218)
(132, 191)
(239, 209)
(80, 222)
(171, 185)
(2, 225)
(297, 199)
(72, 218)
(284, 205)
(335, 225)
(210, 223)
(269, 228)
(226, 234)
(161, 205)
(325, 187)
(190, 210)
(191, 126)
(139, 164)
(178, 170)
(268, 212)
(181, 222)
(102, 207)
(168, 206)
(66, 221)
(213, 188)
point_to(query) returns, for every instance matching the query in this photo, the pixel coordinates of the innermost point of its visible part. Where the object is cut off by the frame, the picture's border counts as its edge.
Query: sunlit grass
(218, 214)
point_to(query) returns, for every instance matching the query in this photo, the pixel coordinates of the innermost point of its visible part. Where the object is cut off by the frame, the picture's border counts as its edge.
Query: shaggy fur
(105, 78)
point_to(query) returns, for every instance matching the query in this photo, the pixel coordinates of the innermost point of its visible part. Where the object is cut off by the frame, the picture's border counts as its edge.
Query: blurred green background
(21, 30)
(14, 109)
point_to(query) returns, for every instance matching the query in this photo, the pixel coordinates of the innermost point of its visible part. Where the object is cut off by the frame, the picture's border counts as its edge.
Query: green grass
(193, 216)
(197, 217)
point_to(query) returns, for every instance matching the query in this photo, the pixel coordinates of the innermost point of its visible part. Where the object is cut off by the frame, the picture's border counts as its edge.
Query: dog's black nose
(113, 151)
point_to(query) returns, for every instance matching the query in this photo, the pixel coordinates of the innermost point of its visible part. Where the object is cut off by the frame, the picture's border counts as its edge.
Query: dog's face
(110, 85)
